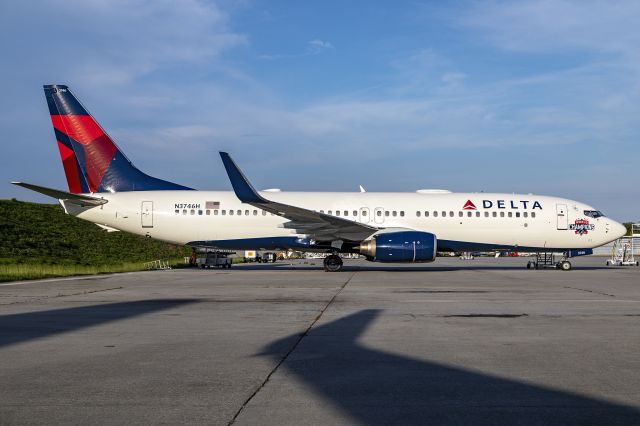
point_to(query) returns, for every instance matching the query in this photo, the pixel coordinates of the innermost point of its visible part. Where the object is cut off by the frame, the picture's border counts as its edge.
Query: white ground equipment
(623, 251)
(214, 259)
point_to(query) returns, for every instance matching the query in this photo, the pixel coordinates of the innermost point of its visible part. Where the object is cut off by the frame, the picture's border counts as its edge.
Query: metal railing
(157, 265)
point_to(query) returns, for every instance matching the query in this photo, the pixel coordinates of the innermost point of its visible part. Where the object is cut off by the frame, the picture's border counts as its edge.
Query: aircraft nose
(618, 229)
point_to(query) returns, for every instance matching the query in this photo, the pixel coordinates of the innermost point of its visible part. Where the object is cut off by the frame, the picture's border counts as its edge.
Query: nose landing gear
(333, 263)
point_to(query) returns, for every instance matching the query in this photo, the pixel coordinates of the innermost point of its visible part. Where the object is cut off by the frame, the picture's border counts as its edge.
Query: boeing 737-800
(107, 189)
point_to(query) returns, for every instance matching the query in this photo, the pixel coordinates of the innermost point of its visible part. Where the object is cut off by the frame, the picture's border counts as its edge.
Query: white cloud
(314, 47)
(553, 25)
(115, 42)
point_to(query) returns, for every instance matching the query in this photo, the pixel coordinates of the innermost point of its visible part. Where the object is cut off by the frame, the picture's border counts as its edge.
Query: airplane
(107, 189)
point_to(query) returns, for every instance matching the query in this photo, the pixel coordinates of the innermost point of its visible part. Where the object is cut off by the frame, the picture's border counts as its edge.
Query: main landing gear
(333, 263)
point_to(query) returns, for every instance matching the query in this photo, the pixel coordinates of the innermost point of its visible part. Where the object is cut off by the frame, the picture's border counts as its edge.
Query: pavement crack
(35, 299)
(290, 351)
(590, 291)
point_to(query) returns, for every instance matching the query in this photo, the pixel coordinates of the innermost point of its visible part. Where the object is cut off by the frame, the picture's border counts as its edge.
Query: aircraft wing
(79, 199)
(319, 226)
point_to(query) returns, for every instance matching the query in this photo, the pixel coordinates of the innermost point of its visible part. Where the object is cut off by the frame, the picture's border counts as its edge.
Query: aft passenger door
(561, 215)
(146, 213)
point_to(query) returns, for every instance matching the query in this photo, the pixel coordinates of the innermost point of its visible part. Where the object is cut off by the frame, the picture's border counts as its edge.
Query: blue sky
(519, 96)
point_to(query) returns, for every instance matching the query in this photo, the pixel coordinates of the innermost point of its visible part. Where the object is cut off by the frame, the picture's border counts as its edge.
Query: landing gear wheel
(332, 263)
(565, 265)
(529, 265)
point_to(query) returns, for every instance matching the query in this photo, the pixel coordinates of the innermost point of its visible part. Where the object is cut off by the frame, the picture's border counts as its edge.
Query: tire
(528, 265)
(333, 263)
(565, 265)
(608, 263)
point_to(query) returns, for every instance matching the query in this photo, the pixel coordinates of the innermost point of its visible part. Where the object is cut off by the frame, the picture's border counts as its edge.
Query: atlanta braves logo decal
(582, 226)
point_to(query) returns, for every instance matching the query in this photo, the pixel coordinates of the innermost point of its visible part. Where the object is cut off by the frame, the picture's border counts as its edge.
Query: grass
(41, 241)
(31, 271)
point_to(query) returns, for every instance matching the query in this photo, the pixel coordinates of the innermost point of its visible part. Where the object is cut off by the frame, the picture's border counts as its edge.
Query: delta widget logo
(469, 206)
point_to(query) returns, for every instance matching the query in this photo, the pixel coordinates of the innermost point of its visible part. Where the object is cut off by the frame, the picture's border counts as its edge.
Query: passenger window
(346, 212)
(426, 214)
(450, 214)
(495, 214)
(477, 214)
(486, 214)
(501, 214)
(246, 212)
(255, 212)
(417, 214)
(184, 212)
(444, 214)
(364, 212)
(230, 212)
(329, 212)
(193, 212)
(395, 213)
(215, 212)
(469, 214)
(337, 212)
(239, 212)
(510, 214)
(199, 212)
(435, 213)
(264, 212)
(224, 212)
(517, 214)
(401, 213)
(460, 214)
(208, 212)
(322, 211)
(378, 213)
(525, 214)
(533, 214)
(177, 211)
(386, 213)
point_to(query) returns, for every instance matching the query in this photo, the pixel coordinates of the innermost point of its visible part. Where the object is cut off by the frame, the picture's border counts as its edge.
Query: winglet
(241, 185)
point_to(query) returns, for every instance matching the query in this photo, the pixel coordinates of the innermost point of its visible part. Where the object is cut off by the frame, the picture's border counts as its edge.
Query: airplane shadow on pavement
(22, 327)
(378, 388)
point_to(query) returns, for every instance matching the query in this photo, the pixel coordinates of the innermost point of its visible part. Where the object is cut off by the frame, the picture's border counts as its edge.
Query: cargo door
(146, 214)
(561, 216)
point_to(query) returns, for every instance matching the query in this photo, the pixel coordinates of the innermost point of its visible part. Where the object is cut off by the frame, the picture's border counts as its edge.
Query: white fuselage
(527, 221)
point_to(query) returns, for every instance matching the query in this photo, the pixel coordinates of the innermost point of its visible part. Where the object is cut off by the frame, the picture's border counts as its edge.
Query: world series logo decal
(582, 226)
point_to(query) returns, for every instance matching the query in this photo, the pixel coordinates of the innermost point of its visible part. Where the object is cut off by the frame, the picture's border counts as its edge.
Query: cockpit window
(593, 213)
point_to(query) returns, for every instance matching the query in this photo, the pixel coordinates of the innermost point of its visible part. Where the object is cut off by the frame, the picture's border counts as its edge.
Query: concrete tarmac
(453, 342)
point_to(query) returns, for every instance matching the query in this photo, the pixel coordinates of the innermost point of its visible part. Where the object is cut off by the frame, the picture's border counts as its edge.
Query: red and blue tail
(92, 161)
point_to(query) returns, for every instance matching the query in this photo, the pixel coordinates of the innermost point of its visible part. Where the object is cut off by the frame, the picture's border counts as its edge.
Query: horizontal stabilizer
(79, 199)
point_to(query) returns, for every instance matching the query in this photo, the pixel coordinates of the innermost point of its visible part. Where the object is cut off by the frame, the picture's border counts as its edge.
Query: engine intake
(402, 246)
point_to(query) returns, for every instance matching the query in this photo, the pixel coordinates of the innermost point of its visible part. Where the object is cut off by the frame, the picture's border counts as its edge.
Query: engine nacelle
(401, 246)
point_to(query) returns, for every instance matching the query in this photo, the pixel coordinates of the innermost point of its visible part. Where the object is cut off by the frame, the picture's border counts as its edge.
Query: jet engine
(400, 246)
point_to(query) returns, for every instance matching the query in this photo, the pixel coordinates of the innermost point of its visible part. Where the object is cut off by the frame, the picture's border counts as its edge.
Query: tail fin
(92, 161)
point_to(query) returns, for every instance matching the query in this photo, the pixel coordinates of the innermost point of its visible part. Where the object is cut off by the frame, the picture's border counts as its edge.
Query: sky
(496, 96)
